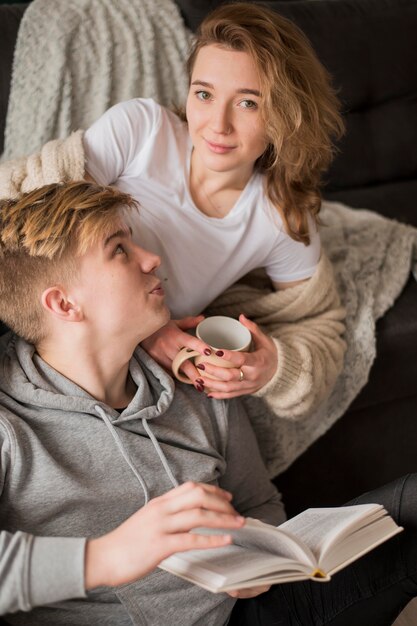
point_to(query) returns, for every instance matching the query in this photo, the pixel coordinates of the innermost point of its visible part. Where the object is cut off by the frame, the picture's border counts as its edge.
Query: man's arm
(36, 571)
(246, 477)
(39, 570)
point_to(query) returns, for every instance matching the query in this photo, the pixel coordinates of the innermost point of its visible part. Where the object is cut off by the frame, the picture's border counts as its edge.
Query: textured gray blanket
(73, 60)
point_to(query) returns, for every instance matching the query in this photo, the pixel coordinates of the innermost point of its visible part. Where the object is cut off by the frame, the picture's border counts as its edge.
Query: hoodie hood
(162, 438)
(29, 380)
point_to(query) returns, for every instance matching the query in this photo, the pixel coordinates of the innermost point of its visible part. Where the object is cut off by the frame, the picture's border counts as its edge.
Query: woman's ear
(57, 303)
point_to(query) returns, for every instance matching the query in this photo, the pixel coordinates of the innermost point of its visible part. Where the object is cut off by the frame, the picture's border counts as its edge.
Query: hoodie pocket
(161, 598)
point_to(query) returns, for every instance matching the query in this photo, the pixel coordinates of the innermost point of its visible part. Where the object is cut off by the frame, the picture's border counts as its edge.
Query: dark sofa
(369, 48)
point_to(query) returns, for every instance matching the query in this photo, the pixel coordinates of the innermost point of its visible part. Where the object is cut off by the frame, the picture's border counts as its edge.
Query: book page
(318, 528)
(359, 543)
(256, 535)
(232, 567)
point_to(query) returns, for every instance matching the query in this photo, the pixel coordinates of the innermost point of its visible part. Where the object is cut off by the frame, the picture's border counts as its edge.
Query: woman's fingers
(258, 336)
(225, 374)
(186, 323)
(184, 340)
(250, 371)
(165, 343)
(189, 369)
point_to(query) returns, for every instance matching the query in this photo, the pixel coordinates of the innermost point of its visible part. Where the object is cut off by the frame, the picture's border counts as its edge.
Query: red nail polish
(200, 366)
(207, 351)
(219, 353)
(199, 387)
(200, 381)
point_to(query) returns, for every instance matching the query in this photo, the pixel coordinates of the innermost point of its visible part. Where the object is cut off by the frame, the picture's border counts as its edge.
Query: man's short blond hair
(41, 235)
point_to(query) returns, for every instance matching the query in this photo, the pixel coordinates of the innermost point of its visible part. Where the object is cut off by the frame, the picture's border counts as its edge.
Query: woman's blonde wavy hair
(300, 109)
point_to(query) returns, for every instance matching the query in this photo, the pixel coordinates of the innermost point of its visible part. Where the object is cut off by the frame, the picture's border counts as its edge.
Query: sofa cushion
(396, 200)
(363, 450)
(393, 374)
(10, 16)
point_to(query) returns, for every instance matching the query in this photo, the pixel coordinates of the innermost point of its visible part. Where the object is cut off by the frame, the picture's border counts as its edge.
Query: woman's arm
(305, 324)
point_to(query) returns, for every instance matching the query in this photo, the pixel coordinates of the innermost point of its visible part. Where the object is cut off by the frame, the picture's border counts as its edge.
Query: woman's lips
(219, 148)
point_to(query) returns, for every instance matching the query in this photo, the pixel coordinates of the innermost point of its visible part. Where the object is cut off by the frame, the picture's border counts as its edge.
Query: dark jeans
(370, 592)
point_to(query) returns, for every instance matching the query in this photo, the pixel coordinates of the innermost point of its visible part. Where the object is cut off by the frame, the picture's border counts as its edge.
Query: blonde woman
(233, 184)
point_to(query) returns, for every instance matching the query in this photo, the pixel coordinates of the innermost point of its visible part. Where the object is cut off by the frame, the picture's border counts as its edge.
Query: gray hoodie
(73, 468)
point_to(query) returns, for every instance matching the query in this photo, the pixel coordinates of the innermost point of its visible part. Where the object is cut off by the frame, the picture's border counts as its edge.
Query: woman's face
(223, 110)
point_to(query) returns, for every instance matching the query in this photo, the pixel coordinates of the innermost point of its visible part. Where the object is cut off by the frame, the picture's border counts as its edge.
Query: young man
(106, 466)
(94, 439)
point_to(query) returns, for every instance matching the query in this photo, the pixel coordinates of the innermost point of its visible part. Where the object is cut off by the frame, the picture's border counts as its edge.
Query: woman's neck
(215, 193)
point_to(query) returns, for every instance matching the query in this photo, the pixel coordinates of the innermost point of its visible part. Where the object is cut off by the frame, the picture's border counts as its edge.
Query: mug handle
(183, 355)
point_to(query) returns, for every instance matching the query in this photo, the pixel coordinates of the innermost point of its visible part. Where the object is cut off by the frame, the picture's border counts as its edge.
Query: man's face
(116, 287)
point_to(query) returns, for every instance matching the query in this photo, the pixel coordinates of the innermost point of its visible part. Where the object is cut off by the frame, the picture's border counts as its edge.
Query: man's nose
(148, 261)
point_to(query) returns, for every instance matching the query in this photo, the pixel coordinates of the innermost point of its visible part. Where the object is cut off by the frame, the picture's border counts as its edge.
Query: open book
(315, 544)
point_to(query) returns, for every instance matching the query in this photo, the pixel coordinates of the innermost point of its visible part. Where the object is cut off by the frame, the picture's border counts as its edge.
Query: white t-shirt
(145, 150)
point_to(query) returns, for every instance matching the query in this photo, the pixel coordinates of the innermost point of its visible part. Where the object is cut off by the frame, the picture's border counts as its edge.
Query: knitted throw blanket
(372, 257)
(73, 60)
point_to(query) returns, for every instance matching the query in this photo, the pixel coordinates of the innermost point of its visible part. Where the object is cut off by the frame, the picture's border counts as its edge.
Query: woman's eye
(249, 104)
(203, 95)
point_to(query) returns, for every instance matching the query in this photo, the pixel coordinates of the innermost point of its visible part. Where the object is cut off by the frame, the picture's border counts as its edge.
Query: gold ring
(241, 376)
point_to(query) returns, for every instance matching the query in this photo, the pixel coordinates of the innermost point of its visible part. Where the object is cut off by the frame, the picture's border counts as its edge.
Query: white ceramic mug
(220, 333)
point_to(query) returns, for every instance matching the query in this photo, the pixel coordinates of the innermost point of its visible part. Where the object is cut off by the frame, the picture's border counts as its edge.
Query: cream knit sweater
(59, 161)
(306, 323)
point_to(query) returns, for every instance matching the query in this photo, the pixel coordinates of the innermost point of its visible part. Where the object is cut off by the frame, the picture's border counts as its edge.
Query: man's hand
(250, 592)
(161, 528)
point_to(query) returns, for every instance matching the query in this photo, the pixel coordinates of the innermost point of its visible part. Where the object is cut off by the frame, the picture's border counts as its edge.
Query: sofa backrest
(369, 48)
(10, 16)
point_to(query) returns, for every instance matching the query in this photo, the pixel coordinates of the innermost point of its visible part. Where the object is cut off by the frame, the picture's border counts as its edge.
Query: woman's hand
(168, 341)
(250, 592)
(257, 367)
(159, 529)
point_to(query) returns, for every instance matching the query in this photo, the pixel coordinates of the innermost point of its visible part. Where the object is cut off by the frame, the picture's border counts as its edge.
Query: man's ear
(56, 301)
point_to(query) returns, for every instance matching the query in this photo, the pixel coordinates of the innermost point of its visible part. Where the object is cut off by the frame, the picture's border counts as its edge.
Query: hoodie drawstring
(126, 456)
(161, 455)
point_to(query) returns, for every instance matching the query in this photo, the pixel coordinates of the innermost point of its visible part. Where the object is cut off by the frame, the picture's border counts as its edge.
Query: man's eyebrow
(122, 232)
(252, 92)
